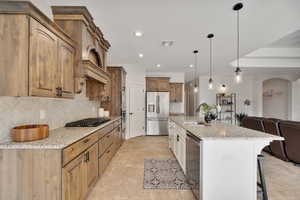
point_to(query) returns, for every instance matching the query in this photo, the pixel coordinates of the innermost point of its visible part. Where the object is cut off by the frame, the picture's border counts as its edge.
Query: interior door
(136, 110)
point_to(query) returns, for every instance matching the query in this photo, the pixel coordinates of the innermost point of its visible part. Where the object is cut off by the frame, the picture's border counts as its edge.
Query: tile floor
(123, 179)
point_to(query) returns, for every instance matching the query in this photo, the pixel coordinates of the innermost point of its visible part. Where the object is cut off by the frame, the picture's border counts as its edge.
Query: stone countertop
(221, 131)
(58, 138)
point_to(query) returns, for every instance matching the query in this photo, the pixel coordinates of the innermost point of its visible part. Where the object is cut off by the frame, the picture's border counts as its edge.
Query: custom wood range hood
(92, 48)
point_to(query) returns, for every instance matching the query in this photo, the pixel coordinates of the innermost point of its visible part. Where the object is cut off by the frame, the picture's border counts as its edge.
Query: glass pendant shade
(195, 89)
(238, 75)
(210, 84)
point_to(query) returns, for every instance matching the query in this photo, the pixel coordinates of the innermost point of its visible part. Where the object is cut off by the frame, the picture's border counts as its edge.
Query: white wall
(251, 88)
(174, 77)
(276, 99)
(296, 100)
(243, 91)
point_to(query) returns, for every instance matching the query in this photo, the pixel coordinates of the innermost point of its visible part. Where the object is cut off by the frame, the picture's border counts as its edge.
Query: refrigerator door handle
(157, 104)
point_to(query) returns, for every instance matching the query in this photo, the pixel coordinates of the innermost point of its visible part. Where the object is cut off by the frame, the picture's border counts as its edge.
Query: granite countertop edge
(252, 136)
(58, 138)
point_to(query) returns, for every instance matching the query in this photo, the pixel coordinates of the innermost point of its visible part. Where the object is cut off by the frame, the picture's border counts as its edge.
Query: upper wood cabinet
(90, 59)
(157, 84)
(66, 68)
(42, 60)
(117, 91)
(176, 94)
(37, 57)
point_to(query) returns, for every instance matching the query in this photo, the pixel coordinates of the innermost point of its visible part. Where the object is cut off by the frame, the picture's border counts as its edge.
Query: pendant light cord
(238, 40)
(210, 69)
(196, 70)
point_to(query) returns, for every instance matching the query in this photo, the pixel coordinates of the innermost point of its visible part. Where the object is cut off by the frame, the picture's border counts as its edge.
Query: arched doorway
(277, 98)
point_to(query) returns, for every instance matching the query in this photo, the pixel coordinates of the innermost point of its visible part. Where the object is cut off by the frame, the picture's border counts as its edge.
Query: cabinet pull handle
(108, 151)
(87, 156)
(86, 140)
(177, 138)
(59, 91)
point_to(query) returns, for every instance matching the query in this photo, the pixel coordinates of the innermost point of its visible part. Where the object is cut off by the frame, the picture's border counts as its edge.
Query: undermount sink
(193, 123)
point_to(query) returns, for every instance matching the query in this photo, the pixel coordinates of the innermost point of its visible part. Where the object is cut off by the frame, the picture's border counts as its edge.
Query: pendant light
(210, 81)
(196, 71)
(238, 72)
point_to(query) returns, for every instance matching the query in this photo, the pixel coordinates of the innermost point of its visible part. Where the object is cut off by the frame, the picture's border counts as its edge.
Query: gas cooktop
(88, 122)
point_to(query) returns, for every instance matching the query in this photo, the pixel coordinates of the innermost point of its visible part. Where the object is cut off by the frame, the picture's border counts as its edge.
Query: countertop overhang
(221, 131)
(58, 138)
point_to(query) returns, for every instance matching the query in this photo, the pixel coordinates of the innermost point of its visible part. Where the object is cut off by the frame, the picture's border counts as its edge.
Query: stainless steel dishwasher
(193, 163)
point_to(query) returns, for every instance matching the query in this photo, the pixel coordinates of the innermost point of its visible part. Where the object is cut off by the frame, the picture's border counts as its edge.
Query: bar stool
(262, 183)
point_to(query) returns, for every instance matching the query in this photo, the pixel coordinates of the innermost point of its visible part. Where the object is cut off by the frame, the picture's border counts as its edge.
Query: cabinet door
(92, 166)
(74, 179)
(163, 85)
(178, 92)
(151, 85)
(42, 60)
(65, 69)
(182, 150)
(172, 92)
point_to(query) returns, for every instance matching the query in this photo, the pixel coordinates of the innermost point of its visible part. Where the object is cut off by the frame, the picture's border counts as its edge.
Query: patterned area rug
(164, 174)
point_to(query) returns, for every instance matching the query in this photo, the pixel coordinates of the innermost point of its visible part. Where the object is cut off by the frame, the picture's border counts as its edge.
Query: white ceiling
(187, 22)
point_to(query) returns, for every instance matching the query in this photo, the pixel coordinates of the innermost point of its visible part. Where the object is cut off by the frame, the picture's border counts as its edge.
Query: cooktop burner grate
(88, 122)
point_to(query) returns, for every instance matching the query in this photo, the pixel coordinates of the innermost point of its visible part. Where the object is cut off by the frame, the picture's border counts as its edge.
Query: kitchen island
(223, 163)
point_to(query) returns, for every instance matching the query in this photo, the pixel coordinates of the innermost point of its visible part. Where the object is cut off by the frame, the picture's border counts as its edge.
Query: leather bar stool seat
(277, 148)
(256, 123)
(290, 130)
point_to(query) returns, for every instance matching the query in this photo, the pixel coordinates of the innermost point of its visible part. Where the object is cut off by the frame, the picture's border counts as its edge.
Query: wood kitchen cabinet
(92, 166)
(157, 84)
(66, 69)
(74, 185)
(37, 57)
(117, 91)
(91, 54)
(66, 173)
(176, 94)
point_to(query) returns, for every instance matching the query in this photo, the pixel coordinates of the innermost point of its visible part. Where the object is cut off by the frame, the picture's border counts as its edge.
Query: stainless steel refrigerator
(157, 113)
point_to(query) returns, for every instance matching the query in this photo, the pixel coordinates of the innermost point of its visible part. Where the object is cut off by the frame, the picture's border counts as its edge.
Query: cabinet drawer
(70, 152)
(105, 159)
(105, 142)
(102, 132)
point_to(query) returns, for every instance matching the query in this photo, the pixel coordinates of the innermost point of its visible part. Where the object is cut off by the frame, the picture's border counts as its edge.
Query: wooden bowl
(28, 133)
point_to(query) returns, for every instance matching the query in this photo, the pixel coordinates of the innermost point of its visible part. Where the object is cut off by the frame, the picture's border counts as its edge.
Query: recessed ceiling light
(167, 43)
(158, 65)
(141, 55)
(138, 33)
(191, 66)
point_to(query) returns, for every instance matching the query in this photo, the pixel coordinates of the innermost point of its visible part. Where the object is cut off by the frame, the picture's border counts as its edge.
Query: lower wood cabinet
(74, 179)
(91, 160)
(59, 174)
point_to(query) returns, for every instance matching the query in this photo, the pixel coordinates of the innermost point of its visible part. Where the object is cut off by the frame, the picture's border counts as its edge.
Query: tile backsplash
(16, 111)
